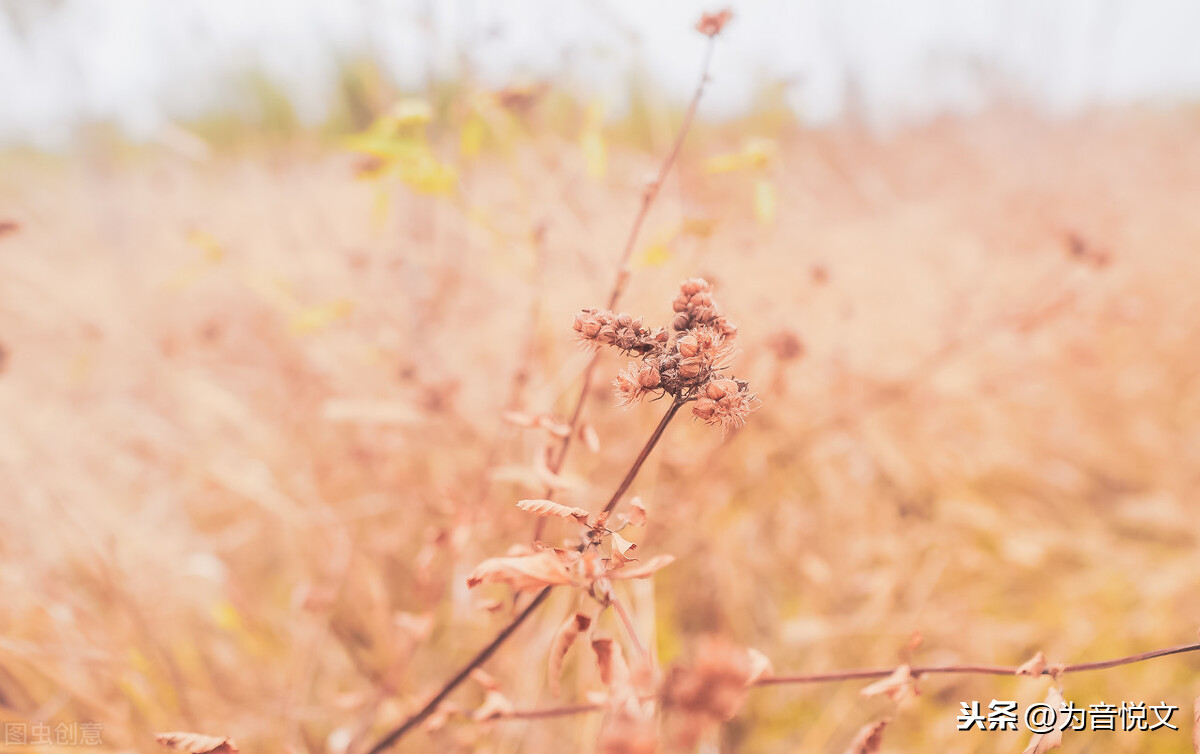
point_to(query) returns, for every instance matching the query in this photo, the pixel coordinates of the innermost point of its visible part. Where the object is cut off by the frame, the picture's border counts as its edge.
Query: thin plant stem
(480, 658)
(861, 675)
(641, 459)
(417, 718)
(629, 628)
(851, 675)
(648, 196)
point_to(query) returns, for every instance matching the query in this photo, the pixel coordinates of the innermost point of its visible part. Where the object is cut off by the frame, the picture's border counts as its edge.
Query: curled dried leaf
(523, 572)
(869, 738)
(495, 705)
(551, 508)
(196, 743)
(485, 680)
(899, 686)
(1043, 742)
(637, 512)
(622, 549)
(556, 428)
(441, 716)
(643, 570)
(520, 419)
(591, 440)
(760, 666)
(610, 661)
(541, 468)
(1033, 666)
(563, 639)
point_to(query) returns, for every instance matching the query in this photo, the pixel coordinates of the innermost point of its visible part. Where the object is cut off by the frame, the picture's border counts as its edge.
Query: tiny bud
(705, 409)
(649, 378)
(688, 346)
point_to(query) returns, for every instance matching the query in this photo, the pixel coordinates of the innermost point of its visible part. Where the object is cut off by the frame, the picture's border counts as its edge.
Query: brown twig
(641, 459)
(480, 658)
(648, 196)
(862, 675)
(852, 675)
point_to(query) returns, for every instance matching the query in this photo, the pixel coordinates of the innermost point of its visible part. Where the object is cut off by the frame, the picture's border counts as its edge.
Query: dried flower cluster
(686, 363)
(711, 24)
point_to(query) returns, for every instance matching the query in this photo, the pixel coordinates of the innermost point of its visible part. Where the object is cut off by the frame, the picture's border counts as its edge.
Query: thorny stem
(480, 658)
(851, 675)
(618, 287)
(641, 459)
(858, 675)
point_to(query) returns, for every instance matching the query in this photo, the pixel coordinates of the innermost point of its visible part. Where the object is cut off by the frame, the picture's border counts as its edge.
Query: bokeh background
(269, 277)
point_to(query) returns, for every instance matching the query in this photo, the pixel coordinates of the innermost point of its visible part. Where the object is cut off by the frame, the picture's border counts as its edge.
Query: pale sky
(142, 63)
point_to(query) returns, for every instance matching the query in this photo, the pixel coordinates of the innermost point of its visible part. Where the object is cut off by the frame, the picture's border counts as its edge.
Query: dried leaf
(523, 572)
(587, 433)
(441, 715)
(610, 660)
(563, 639)
(914, 642)
(760, 666)
(643, 569)
(898, 686)
(536, 421)
(869, 738)
(637, 515)
(551, 508)
(485, 680)
(520, 419)
(541, 468)
(1043, 742)
(622, 549)
(1033, 666)
(494, 705)
(196, 743)
(1196, 726)
(558, 429)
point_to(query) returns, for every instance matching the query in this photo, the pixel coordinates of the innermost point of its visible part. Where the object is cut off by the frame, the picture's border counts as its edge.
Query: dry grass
(248, 431)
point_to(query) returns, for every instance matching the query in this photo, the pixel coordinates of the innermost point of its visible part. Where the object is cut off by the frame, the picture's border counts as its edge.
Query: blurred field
(252, 445)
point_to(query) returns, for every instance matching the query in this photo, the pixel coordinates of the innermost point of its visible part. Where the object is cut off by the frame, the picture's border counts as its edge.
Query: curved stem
(480, 658)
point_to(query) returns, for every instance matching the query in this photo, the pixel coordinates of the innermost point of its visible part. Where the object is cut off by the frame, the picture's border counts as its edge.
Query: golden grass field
(252, 443)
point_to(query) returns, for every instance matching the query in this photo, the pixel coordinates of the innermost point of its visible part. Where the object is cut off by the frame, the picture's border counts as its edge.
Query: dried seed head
(710, 24)
(621, 331)
(726, 403)
(649, 377)
(636, 382)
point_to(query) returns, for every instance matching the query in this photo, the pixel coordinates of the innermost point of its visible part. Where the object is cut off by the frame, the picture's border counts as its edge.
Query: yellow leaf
(409, 112)
(470, 139)
(211, 249)
(765, 201)
(428, 176)
(317, 318)
(226, 616)
(655, 255)
(591, 142)
(756, 154)
(379, 210)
